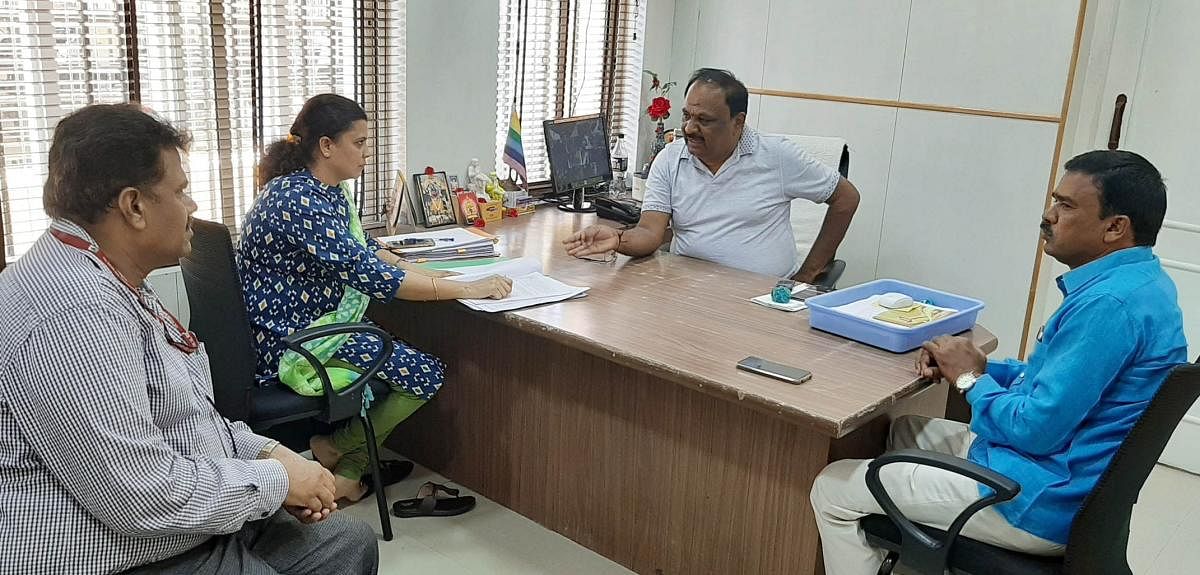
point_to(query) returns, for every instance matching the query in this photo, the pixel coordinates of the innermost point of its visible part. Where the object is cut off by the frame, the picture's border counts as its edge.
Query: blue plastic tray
(892, 338)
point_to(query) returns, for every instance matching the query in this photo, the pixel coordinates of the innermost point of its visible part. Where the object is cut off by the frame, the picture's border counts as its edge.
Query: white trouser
(924, 494)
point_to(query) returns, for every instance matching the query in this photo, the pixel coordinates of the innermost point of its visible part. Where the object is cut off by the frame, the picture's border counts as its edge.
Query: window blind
(232, 72)
(58, 55)
(380, 89)
(177, 80)
(562, 58)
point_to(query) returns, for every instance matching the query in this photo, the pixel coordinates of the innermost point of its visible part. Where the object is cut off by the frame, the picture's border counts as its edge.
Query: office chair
(1099, 534)
(218, 317)
(806, 217)
(830, 274)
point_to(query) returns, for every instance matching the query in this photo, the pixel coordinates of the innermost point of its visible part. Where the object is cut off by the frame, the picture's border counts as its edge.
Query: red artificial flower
(660, 109)
(479, 223)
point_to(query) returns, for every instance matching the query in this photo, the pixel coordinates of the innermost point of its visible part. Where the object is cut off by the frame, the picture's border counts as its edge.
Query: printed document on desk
(530, 286)
(446, 244)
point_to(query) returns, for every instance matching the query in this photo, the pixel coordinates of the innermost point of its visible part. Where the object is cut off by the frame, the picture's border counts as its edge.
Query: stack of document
(530, 287)
(451, 244)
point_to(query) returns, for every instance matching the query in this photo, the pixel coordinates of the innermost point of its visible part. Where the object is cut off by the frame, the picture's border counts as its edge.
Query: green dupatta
(295, 371)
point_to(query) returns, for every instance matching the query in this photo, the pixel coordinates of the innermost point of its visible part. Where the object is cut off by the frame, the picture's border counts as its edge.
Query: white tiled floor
(493, 540)
(488, 540)
(1164, 536)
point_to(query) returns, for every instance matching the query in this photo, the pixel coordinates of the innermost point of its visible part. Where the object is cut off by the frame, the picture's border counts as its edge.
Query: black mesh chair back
(218, 316)
(1100, 533)
(1099, 536)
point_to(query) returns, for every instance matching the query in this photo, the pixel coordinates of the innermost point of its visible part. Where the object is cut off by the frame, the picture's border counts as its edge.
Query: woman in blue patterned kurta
(302, 247)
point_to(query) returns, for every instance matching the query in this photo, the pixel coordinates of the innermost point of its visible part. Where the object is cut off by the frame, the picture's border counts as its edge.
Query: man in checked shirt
(112, 456)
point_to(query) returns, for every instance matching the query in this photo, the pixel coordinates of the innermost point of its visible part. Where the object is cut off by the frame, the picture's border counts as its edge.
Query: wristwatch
(965, 382)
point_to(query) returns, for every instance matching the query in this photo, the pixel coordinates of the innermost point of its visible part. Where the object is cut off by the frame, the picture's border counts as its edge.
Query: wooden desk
(620, 421)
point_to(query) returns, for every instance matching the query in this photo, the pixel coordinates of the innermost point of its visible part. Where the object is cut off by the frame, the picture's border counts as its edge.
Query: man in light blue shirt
(726, 191)
(1051, 424)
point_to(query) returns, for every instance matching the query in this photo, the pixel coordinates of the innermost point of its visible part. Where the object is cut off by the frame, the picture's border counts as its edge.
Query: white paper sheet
(530, 286)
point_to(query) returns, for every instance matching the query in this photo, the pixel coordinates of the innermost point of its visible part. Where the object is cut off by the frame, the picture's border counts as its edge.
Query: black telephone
(624, 212)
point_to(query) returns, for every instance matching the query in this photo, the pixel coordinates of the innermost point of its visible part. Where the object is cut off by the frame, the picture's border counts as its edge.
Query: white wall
(451, 84)
(949, 200)
(656, 55)
(168, 285)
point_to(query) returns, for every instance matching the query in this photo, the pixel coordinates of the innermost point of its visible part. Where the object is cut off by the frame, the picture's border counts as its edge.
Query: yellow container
(492, 212)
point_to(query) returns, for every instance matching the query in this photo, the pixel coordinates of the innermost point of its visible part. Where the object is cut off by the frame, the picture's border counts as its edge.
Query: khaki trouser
(924, 494)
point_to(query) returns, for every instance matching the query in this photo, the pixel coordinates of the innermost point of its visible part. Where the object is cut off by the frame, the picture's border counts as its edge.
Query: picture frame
(399, 211)
(454, 185)
(468, 208)
(413, 200)
(436, 200)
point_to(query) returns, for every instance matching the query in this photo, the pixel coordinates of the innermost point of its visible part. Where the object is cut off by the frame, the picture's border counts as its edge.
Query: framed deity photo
(433, 188)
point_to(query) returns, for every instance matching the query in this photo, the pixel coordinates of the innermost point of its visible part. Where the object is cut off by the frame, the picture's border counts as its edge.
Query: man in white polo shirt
(726, 191)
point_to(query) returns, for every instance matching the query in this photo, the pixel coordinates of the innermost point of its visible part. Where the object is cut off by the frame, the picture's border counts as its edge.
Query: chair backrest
(219, 316)
(807, 216)
(1100, 533)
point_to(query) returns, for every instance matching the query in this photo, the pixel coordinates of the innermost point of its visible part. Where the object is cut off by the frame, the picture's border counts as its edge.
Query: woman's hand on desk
(595, 239)
(422, 287)
(491, 287)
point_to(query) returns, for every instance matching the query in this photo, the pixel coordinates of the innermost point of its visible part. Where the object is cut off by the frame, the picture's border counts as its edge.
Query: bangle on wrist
(435, 290)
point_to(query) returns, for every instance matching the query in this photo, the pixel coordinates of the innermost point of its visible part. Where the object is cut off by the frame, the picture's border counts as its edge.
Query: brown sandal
(428, 504)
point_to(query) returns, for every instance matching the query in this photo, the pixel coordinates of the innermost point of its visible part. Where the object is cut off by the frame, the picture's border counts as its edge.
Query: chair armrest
(296, 340)
(919, 550)
(830, 274)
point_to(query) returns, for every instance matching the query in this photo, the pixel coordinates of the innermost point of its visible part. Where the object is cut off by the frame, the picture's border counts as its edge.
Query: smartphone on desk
(810, 291)
(792, 375)
(411, 243)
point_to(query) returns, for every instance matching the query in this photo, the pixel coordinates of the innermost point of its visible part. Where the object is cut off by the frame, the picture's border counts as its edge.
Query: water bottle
(620, 163)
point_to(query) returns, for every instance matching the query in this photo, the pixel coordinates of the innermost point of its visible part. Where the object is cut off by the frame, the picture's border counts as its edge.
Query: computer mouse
(893, 300)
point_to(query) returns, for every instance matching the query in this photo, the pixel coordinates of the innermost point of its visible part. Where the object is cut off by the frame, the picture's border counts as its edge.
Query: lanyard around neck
(177, 335)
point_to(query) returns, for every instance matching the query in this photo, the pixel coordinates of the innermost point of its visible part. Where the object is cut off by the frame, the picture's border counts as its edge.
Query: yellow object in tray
(913, 315)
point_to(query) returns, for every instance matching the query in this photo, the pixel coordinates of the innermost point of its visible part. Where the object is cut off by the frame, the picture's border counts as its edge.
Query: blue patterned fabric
(296, 255)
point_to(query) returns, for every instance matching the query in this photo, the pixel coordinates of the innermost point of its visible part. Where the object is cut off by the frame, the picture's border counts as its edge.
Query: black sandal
(428, 504)
(393, 471)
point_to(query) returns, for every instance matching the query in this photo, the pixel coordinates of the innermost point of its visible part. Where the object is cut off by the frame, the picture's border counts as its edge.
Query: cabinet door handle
(1114, 131)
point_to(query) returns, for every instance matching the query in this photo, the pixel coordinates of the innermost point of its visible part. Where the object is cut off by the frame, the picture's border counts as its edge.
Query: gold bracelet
(435, 292)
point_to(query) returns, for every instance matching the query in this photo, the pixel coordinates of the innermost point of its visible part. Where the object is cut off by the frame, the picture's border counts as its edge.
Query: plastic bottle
(620, 163)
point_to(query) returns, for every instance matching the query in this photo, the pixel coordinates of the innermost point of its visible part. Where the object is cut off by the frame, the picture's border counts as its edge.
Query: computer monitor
(578, 151)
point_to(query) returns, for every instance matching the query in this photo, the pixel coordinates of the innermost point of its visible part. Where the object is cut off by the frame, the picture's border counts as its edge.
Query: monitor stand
(577, 203)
